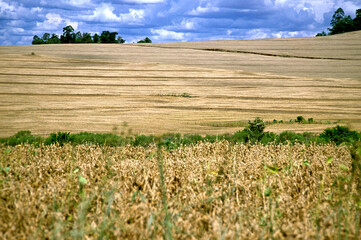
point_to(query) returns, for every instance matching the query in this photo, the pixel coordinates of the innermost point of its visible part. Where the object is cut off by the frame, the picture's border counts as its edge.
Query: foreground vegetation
(79, 186)
(204, 191)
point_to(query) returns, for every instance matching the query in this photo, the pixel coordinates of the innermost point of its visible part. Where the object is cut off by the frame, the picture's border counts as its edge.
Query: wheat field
(204, 191)
(140, 89)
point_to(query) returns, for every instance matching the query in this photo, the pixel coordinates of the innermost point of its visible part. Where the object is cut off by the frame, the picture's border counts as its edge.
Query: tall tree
(337, 16)
(357, 19)
(46, 37)
(96, 38)
(341, 23)
(68, 35)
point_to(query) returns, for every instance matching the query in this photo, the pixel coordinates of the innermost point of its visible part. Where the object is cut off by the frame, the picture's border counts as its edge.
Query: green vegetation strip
(253, 133)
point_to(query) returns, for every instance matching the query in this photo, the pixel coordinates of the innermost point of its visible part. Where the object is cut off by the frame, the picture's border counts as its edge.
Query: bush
(143, 140)
(290, 137)
(338, 135)
(59, 137)
(268, 137)
(300, 119)
(22, 137)
(255, 130)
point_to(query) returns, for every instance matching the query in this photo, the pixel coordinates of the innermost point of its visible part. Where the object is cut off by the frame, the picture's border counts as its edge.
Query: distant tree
(357, 20)
(341, 23)
(54, 39)
(87, 38)
(321, 34)
(78, 37)
(108, 37)
(37, 40)
(337, 16)
(68, 35)
(145, 40)
(96, 38)
(46, 37)
(120, 40)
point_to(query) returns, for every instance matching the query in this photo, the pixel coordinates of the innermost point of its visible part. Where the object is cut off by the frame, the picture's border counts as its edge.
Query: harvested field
(101, 88)
(205, 191)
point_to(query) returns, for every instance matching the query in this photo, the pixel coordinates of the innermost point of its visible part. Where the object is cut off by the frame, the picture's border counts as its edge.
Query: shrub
(255, 130)
(291, 137)
(300, 119)
(143, 140)
(59, 137)
(268, 138)
(338, 135)
(22, 137)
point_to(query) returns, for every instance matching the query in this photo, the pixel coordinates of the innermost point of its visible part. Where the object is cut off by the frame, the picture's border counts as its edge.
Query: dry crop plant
(204, 191)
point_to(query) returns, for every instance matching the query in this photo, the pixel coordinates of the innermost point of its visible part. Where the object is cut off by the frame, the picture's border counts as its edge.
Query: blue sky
(169, 20)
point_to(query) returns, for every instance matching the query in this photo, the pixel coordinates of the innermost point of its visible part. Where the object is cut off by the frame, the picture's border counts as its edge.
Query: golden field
(135, 88)
(204, 191)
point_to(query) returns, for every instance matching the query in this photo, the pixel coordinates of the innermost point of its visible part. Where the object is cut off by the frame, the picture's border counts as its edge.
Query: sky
(169, 20)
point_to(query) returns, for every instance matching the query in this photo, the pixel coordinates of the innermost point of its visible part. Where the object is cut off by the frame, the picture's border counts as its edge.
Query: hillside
(140, 88)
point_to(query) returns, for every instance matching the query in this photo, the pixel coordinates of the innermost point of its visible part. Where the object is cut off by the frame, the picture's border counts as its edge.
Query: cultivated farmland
(205, 190)
(197, 87)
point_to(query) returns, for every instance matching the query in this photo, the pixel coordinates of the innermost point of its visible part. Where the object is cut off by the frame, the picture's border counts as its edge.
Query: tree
(145, 40)
(37, 40)
(337, 16)
(68, 35)
(78, 37)
(120, 40)
(108, 37)
(87, 38)
(54, 39)
(321, 34)
(341, 23)
(46, 37)
(357, 20)
(96, 38)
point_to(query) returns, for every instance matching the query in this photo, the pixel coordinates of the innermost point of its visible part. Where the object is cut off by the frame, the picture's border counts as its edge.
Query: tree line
(70, 36)
(341, 23)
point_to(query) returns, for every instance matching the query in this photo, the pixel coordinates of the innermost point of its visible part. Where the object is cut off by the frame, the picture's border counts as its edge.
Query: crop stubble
(97, 88)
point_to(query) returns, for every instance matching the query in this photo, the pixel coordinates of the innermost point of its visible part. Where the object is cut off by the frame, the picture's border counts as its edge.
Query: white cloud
(105, 13)
(316, 7)
(5, 7)
(164, 35)
(78, 2)
(187, 24)
(256, 34)
(202, 10)
(53, 22)
(266, 33)
(36, 10)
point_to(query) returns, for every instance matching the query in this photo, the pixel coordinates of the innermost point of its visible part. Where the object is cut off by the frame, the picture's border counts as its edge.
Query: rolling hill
(194, 87)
